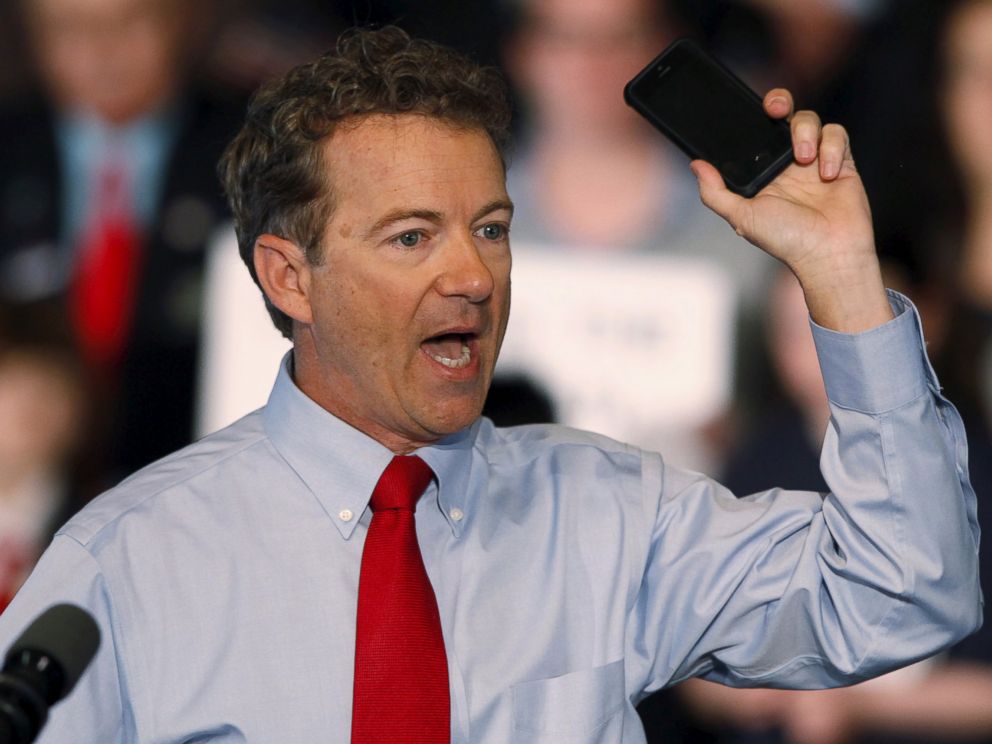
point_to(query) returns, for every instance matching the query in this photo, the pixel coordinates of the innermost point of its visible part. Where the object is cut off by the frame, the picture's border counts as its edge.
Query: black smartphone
(712, 114)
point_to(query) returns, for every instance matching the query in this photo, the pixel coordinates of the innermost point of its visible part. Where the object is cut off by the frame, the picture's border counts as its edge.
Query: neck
(571, 139)
(602, 193)
(311, 379)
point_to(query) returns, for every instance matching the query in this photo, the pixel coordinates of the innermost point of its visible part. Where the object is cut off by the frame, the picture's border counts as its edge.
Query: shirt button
(457, 514)
(345, 515)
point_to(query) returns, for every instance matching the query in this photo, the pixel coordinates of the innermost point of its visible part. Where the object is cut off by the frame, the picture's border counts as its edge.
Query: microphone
(42, 667)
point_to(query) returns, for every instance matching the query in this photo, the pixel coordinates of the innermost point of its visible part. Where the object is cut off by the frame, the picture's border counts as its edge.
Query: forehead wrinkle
(440, 173)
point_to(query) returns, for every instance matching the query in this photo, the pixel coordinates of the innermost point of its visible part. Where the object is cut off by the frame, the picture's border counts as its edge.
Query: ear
(284, 273)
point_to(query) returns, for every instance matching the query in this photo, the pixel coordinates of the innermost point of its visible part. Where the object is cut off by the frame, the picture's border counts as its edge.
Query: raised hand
(815, 218)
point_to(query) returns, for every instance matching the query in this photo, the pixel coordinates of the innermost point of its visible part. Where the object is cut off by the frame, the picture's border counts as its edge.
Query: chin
(445, 420)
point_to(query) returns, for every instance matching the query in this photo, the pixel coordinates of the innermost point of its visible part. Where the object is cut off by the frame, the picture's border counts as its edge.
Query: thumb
(714, 194)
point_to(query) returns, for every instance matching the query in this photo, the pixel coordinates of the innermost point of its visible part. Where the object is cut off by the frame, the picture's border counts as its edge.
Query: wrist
(847, 296)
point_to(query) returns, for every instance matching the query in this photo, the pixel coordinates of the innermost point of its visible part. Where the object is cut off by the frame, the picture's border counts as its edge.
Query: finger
(834, 149)
(805, 135)
(715, 194)
(778, 103)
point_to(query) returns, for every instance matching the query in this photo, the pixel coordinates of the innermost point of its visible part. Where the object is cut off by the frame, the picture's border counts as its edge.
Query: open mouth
(450, 349)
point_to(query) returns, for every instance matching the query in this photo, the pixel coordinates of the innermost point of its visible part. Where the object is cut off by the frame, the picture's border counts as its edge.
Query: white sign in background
(638, 347)
(241, 348)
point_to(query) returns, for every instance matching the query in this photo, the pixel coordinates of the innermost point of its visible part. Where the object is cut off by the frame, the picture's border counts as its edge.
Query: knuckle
(740, 220)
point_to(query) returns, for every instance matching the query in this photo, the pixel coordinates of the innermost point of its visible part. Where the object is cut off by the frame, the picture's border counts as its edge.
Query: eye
(494, 231)
(409, 239)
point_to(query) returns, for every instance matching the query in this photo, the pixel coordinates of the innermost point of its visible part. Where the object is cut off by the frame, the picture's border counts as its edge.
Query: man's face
(410, 302)
(118, 59)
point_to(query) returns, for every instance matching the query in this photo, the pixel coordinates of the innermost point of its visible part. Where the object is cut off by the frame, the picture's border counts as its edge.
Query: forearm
(830, 590)
(952, 701)
(901, 518)
(949, 703)
(750, 708)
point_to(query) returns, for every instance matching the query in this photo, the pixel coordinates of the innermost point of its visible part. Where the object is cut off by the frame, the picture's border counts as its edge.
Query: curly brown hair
(273, 171)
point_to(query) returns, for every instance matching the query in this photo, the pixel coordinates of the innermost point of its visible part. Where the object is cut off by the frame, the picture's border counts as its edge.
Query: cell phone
(711, 114)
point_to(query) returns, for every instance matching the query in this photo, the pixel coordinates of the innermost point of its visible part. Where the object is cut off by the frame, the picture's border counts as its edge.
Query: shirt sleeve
(92, 711)
(801, 589)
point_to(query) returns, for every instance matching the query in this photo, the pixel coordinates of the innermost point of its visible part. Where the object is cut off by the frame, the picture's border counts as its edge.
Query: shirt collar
(452, 462)
(341, 464)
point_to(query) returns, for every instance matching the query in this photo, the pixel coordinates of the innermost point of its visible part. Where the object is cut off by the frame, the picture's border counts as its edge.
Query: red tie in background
(401, 671)
(103, 287)
(16, 559)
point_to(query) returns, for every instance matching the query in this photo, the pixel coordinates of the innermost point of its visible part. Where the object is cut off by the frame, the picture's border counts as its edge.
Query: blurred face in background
(968, 91)
(117, 59)
(41, 409)
(571, 58)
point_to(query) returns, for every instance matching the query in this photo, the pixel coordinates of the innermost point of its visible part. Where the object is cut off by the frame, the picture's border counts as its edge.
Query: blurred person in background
(594, 183)
(967, 107)
(787, 434)
(42, 410)
(590, 172)
(108, 195)
(257, 40)
(815, 40)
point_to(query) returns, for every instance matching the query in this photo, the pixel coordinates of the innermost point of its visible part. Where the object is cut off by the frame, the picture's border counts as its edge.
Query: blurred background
(128, 326)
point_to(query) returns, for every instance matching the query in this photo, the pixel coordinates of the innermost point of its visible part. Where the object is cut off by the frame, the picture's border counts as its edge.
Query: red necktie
(102, 292)
(401, 671)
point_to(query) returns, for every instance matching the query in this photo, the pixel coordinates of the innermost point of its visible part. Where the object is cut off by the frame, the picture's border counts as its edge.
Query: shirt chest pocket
(584, 707)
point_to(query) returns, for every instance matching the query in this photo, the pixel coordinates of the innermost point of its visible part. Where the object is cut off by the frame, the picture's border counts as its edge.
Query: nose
(464, 272)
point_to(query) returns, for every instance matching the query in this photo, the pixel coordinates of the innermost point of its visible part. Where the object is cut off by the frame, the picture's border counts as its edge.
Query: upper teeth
(461, 361)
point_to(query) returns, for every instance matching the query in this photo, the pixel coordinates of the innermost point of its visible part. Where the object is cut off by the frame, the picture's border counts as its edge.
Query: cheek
(71, 66)
(146, 55)
(356, 320)
(504, 306)
(970, 113)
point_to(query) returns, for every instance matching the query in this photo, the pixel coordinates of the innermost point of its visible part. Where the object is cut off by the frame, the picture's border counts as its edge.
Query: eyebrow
(399, 215)
(431, 215)
(493, 206)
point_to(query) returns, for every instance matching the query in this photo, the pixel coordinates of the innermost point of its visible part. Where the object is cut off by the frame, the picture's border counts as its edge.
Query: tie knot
(401, 483)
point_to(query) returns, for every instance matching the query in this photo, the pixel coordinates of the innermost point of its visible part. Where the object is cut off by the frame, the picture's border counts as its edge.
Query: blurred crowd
(127, 327)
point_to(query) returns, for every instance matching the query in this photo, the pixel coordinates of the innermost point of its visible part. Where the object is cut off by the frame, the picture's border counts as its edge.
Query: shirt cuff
(880, 369)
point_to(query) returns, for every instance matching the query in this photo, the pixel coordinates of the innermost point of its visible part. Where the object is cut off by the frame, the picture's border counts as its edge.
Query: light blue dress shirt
(574, 574)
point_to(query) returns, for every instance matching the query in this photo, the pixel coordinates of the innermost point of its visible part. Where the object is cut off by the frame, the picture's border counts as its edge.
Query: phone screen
(711, 114)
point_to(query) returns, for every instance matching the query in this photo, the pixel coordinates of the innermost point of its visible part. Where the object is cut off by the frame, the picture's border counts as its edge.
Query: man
(246, 591)
(109, 198)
